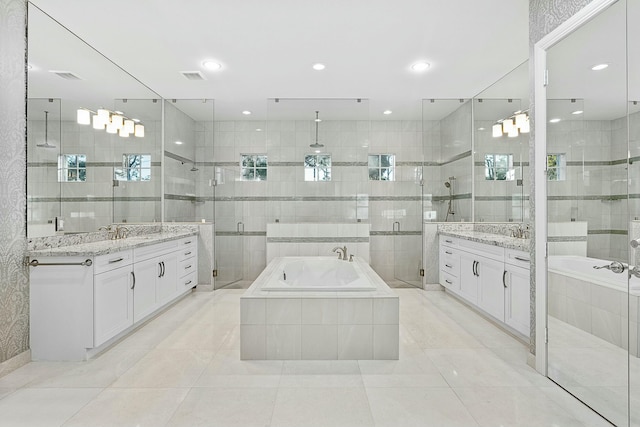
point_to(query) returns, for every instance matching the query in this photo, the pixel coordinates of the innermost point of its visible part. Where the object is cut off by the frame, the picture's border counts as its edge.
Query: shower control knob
(635, 243)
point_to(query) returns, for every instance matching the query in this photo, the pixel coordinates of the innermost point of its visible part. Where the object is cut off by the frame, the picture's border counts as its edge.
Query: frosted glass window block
(72, 168)
(253, 167)
(317, 167)
(135, 167)
(382, 167)
(499, 167)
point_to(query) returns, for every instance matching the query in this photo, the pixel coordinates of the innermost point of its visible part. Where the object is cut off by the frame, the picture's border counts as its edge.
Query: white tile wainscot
(491, 273)
(87, 296)
(319, 325)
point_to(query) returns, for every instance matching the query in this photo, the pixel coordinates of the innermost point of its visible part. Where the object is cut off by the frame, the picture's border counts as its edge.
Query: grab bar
(36, 263)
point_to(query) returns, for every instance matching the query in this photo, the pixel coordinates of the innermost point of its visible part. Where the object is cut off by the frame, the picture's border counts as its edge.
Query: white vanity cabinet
(517, 297)
(113, 297)
(492, 278)
(80, 305)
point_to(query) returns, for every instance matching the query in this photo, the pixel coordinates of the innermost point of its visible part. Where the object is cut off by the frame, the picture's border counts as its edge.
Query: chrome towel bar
(86, 263)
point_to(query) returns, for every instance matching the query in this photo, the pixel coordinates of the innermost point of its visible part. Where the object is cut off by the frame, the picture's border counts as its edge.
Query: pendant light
(46, 144)
(317, 144)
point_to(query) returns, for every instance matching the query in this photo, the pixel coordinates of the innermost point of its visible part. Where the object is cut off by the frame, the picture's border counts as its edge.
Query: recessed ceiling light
(554, 120)
(212, 65)
(480, 128)
(178, 142)
(599, 67)
(258, 130)
(319, 67)
(246, 112)
(420, 66)
(577, 112)
(387, 112)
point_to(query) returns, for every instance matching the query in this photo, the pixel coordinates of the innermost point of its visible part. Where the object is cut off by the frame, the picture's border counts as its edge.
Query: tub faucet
(343, 255)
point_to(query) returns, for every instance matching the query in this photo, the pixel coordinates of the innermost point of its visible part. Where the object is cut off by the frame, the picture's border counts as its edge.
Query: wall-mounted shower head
(194, 168)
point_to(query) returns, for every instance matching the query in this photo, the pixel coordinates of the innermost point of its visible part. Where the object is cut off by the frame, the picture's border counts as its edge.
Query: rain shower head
(316, 144)
(46, 144)
(194, 168)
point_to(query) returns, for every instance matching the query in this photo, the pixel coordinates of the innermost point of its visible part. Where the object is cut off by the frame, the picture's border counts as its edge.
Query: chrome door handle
(160, 269)
(504, 273)
(134, 280)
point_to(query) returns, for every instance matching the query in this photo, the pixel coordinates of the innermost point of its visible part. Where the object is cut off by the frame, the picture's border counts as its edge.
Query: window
(72, 168)
(499, 167)
(556, 167)
(317, 167)
(382, 167)
(253, 167)
(135, 167)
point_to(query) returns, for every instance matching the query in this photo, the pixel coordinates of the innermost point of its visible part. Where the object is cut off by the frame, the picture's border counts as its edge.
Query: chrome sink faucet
(343, 256)
(519, 232)
(115, 232)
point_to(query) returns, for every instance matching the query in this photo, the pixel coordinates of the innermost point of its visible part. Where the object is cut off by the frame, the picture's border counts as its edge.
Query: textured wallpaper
(14, 284)
(544, 17)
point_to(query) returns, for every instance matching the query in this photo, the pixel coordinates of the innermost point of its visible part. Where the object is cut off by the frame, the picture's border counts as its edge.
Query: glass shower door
(407, 227)
(229, 234)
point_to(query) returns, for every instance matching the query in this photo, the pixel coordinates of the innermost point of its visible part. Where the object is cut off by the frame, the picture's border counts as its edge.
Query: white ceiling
(267, 49)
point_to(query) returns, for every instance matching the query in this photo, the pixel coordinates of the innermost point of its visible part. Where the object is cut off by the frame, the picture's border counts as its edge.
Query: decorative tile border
(328, 239)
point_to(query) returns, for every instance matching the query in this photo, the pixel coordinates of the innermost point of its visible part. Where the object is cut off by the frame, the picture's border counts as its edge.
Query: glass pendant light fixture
(512, 126)
(316, 144)
(111, 121)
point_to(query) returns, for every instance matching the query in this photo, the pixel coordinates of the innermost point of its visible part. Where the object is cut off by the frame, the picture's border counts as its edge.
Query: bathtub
(598, 302)
(582, 268)
(325, 309)
(317, 274)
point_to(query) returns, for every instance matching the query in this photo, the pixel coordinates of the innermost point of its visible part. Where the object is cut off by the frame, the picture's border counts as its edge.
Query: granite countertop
(507, 242)
(109, 246)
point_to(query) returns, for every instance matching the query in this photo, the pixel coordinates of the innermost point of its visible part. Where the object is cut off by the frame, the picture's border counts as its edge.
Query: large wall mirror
(592, 198)
(501, 149)
(72, 167)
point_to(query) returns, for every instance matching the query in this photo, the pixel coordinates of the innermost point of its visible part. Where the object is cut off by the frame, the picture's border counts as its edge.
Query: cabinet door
(113, 302)
(517, 299)
(468, 278)
(167, 287)
(144, 293)
(490, 287)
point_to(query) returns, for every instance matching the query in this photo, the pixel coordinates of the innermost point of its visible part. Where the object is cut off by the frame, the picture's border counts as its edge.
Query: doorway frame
(540, 48)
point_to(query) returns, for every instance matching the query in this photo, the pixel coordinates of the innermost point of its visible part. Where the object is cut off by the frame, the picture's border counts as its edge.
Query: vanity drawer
(187, 252)
(518, 258)
(187, 282)
(158, 249)
(111, 261)
(449, 241)
(449, 261)
(450, 282)
(190, 242)
(187, 266)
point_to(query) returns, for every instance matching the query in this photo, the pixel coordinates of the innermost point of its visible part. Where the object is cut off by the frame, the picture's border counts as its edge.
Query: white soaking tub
(598, 301)
(325, 309)
(317, 274)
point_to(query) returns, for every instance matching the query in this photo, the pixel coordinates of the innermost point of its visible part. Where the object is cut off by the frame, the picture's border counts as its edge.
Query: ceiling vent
(67, 75)
(192, 75)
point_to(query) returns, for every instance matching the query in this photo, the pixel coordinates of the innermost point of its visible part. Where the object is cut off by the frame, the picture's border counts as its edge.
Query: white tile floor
(183, 369)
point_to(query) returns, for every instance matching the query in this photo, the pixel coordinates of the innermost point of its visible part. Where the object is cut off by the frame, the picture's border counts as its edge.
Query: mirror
(67, 75)
(593, 342)
(446, 125)
(501, 159)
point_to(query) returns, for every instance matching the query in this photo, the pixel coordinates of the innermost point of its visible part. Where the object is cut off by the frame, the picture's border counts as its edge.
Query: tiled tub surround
(319, 325)
(316, 239)
(595, 301)
(489, 271)
(85, 297)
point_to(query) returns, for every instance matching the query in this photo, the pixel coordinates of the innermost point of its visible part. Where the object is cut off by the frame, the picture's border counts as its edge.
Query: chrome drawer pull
(522, 259)
(112, 261)
(187, 253)
(448, 265)
(448, 253)
(449, 241)
(188, 283)
(451, 283)
(187, 243)
(187, 267)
